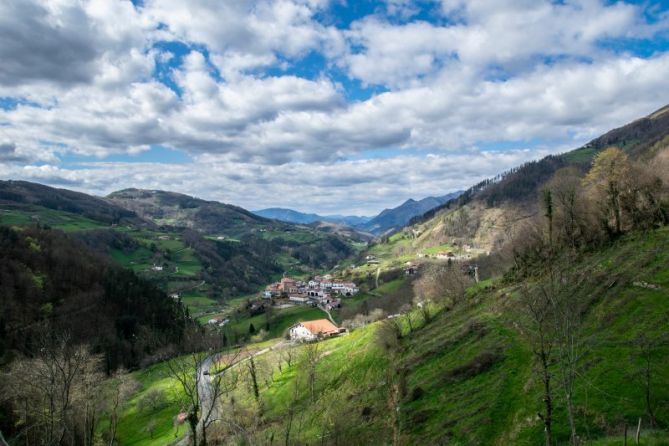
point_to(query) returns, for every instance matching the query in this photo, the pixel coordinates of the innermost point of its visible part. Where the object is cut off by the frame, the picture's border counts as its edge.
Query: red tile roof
(321, 326)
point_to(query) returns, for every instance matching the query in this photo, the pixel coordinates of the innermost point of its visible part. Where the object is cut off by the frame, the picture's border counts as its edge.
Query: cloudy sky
(330, 106)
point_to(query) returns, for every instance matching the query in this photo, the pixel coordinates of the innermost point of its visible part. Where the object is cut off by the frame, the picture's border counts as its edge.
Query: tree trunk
(254, 378)
(572, 423)
(203, 440)
(548, 400)
(192, 422)
(638, 432)
(625, 434)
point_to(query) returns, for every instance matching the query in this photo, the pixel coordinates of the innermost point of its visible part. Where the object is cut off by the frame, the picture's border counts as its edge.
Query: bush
(152, 400)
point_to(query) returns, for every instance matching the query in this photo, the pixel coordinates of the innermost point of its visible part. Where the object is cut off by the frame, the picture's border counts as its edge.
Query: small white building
(298, 299)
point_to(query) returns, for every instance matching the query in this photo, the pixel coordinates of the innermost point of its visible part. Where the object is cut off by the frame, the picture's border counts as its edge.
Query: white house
(311, 330)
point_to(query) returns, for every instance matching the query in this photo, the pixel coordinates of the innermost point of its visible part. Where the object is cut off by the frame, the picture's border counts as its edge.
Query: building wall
(300, 333)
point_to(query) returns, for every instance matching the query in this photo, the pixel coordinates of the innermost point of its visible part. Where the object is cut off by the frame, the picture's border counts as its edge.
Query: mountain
(291, 216)
(485, 216)
(175, 209)
(392, 219)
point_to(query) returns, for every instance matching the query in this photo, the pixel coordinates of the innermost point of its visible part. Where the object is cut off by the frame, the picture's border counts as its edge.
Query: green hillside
(469, 377)
(204, 250)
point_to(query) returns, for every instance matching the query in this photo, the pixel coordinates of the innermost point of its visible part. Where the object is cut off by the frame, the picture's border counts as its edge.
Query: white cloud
(321, 187)
(482, 72)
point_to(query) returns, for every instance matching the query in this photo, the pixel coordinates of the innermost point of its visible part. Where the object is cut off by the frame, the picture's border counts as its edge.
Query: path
(328, 313)
(206, 388)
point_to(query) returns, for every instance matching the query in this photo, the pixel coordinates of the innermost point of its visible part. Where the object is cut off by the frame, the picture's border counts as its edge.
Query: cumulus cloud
(64, 42)
(322, 187)
(264, 92)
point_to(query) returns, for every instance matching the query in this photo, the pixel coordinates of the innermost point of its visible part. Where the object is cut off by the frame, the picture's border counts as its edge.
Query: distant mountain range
(388, 220)
(392, 219)
(292, 216)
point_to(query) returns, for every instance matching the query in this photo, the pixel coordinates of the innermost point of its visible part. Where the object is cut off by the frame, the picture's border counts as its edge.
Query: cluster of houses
(321, 290)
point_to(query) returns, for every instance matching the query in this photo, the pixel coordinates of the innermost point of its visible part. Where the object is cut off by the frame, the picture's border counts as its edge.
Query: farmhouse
(310, 330)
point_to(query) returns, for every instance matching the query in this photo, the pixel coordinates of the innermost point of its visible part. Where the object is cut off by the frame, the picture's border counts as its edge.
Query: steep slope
(487, 214)
(392, 219)
(49, 278)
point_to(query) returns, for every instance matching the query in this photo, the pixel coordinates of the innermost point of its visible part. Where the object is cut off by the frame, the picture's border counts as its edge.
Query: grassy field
(279, 322)
(133, 422)
(64, 221)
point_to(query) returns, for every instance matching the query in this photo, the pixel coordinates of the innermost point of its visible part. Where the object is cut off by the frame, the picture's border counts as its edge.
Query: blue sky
(325, 106)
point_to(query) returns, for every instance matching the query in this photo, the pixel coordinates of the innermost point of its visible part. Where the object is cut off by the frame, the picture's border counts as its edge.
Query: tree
(565, 188)
(548, 208)
(310, 358)
(441, 284)
(536, 305)
(120, 392)
(152, 400)
(52, 392)
(151, 428)
(609, 172)
(202, 391)
(569, 340)
(253, 375)
(646, 349)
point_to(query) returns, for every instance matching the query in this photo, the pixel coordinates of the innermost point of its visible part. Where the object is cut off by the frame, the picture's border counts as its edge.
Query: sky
(328, 106)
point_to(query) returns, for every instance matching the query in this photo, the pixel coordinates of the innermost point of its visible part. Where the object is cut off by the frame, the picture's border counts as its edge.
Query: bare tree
(441, 284)
(645, 351)
(565, 187)
(203, 377)
(124, 386)
(536, 304)
(311, 356)
(53, 390)
(568, 338)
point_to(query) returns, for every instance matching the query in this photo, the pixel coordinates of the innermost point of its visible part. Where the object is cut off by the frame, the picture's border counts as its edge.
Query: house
(298, 299)
(288, 285)
(311, 330)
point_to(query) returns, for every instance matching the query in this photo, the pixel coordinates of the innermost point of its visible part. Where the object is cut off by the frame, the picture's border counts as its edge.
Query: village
(322, 292)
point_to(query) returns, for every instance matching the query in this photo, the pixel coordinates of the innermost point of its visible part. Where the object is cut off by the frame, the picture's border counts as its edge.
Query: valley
(517, 308)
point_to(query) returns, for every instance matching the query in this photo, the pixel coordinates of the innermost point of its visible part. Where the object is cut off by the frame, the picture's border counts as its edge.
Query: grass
(133, 422)
(280, 321)
(438, 249)
(468, 376)
(65, 221)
